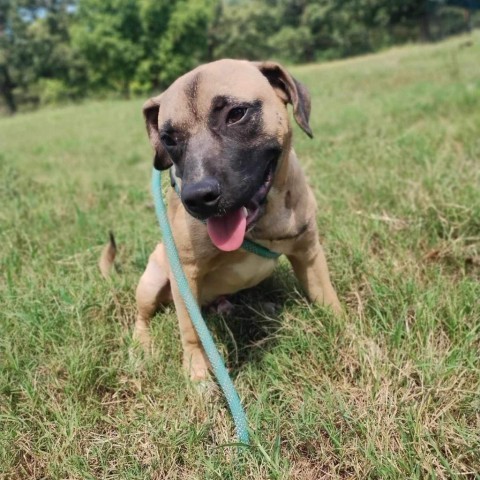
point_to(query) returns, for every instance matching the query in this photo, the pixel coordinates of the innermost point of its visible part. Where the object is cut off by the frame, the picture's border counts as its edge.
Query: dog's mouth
(228, 231)
(256, 204)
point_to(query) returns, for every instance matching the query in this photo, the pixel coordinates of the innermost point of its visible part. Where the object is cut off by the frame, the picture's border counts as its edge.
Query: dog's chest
(237, 275)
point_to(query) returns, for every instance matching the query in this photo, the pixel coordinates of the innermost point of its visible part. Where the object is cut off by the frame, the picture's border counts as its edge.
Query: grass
(390, 391)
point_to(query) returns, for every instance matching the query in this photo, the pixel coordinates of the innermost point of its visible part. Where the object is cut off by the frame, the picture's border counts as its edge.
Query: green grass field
(391, 391)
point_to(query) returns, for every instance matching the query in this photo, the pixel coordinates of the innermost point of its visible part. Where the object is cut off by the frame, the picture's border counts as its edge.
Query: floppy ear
(289, 90)
(161, 160)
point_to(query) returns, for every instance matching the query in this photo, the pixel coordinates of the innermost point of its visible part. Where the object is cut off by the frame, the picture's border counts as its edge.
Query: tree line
(53, 51)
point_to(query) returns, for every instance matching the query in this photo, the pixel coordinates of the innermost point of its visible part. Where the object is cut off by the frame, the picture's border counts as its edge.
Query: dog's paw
(208, 390)
(196, 365)
(141, 338)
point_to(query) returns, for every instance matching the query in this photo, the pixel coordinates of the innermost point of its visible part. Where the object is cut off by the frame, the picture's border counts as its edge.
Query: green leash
(214, 357)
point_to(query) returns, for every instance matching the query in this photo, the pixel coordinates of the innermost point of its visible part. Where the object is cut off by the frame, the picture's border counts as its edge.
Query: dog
(224, 131)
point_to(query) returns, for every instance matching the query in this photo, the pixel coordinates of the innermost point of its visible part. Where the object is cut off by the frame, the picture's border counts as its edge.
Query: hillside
(390, 391)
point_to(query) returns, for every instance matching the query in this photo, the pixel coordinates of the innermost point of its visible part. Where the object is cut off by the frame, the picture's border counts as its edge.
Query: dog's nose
(202, 198)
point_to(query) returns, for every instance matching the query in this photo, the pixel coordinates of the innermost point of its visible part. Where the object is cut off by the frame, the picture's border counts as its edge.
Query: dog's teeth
(245, 211)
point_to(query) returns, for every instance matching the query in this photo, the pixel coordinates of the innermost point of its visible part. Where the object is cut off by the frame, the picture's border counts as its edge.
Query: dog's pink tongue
(227, 232)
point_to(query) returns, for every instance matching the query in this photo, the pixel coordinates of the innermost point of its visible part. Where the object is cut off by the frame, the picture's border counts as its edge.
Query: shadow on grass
(252, 328)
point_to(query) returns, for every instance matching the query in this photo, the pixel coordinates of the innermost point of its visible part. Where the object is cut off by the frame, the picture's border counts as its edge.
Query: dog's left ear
(289, 90)
(161, 160)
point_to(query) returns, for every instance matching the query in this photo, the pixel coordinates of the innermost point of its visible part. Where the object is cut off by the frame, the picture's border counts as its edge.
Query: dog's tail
(107, 257)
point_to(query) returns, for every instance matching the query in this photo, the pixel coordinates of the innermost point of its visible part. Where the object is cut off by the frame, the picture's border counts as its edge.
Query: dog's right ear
(161, 160)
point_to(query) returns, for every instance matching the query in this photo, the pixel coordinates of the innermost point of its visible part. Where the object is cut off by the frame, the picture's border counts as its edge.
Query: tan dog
(224, 127)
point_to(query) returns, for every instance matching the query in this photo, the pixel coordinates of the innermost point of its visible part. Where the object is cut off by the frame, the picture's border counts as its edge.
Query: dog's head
(224, 126)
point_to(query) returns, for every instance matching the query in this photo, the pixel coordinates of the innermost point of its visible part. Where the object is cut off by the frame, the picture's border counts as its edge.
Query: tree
(154, 16)
(244, 31)
(13, 40)
(108, 34)
(34, 48)
(138, 45)
(56, 50)
(185, 41)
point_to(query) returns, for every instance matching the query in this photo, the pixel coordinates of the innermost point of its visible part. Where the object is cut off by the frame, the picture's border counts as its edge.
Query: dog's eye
(235, 115)
(168, 141)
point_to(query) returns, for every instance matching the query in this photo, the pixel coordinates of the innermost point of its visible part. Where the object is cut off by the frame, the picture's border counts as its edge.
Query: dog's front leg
(310, 267)
(153, 290)
(195, 361)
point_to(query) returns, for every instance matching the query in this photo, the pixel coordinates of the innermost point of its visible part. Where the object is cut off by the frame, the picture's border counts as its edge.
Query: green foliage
(243, 31)
(184, 44)
(107, 32)
(52, 51)
(155, 17)
(306, 30)
(138, 45)
(296, 44)
(35, 51)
